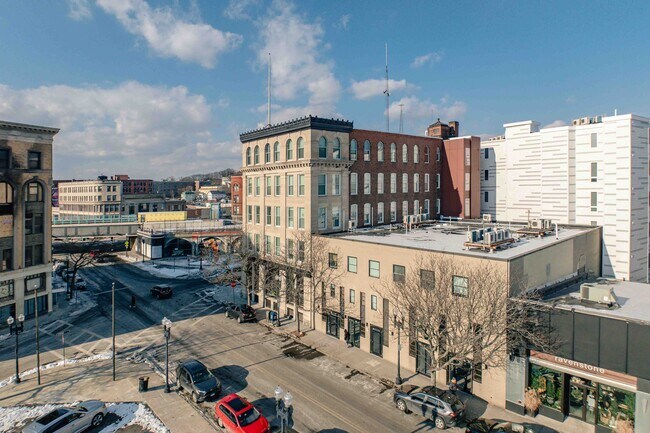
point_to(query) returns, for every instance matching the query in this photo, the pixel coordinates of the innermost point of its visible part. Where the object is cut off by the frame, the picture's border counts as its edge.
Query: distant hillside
(208, 176)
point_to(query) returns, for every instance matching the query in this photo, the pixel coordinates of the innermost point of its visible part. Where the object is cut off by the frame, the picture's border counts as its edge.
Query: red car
(237, 415)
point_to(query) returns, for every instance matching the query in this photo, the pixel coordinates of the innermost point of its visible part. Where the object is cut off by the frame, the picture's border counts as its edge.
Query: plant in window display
(532, 402)
(550, 391)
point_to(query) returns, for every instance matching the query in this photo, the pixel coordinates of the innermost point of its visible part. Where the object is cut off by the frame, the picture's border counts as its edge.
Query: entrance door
(582, 400)
(423, 359)
(354, 327)
(376, 341)
(333, 325)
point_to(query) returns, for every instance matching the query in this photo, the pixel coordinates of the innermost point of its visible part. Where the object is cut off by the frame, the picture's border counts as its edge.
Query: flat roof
(451, 237)
(633, 301)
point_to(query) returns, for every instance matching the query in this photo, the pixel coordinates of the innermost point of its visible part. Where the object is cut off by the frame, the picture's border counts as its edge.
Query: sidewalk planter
(143, 384)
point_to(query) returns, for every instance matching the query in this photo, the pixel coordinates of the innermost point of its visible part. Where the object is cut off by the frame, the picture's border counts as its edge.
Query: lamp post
(16, 327)
(399, 324)
(283, 408)
(232, 285)
(142, 244)
(167, 330)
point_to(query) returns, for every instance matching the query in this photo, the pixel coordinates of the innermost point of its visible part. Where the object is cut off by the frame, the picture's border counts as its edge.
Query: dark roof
(439, 123)
(307, 122)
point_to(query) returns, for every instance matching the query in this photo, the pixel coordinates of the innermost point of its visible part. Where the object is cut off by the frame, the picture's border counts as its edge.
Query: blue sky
(163, 88)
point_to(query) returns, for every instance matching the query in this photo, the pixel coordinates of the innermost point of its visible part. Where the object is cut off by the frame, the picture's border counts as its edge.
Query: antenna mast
(401, 119)
(387, 95)
(268, 86)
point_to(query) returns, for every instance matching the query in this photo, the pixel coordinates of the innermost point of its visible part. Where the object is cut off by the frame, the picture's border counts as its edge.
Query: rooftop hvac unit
(576, 122)
(535, 224)
(597, 119)
(600, 293)
(584, 121)
(487, 218)
(489, 238)
(498, 236)
(506, 234)
(547, 224)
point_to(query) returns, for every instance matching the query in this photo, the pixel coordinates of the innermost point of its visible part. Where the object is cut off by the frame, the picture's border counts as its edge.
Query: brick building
(236, 191)
(134, 186)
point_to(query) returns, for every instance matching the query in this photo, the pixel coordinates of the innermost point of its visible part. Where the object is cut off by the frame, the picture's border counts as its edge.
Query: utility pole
(401, 119)
(113, 326)
(268, 94)
(38, 345)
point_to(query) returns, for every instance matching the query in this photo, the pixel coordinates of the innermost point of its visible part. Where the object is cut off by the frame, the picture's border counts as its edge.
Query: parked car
(80, 284)
(444, 408)
(69, 419)
(241, 312)
(162, 291)
(482, 425)
(236, 415)
(194, 377)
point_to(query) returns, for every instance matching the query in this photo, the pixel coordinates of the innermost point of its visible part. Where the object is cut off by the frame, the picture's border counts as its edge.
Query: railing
(191, 226)
(104, 219)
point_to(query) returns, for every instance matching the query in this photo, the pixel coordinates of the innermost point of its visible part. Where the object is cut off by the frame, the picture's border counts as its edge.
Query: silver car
(69, 419)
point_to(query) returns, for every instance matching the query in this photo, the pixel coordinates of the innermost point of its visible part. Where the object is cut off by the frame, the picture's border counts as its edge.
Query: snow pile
(12, 417)
(98, 357)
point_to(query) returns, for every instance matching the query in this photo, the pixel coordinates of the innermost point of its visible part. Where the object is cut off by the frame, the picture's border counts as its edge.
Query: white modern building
(592, 172)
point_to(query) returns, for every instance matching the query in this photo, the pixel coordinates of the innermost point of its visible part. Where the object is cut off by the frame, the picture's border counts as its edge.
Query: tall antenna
(387, 95)
(401, 119)
(268, 86)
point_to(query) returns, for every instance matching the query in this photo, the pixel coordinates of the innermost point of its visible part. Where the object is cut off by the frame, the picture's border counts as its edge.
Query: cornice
(296, 164)
(28, 128)
(307, 122)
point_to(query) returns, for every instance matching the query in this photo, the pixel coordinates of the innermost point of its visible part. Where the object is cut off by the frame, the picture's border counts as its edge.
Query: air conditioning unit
(489, 238)
(498, 236)
(576, 122)
(547, 224)
(535, 224)
(585, 121)
(487, 218)
(352, 225)
(596, 119)
(600, 293)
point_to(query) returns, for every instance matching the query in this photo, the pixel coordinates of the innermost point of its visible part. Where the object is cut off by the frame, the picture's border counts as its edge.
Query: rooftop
(450, 238)
(27, 127)
(306, 122)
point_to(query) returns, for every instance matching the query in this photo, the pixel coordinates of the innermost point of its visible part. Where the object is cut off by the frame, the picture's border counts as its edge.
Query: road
(248, 358)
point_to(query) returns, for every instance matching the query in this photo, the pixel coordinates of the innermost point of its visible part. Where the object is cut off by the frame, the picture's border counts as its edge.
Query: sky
(163, 88)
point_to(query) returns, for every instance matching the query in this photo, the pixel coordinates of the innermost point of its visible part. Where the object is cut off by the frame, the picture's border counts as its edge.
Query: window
(366, 150)
(373, 268)
(352, 296)
(393, 152)
(257, 214)
(249, 186)
(380, 183)
(437, 180)
(34, 192)
(405, 182)
(352, 264)
(301, 217)
(393, 183)
(416, 182)
(336, 184)
(290, 217)
(426, 182)
(301, 250)
(486, 153)
(301, 184)
(33, 255)
(416, 207)
(467, 157)
(467, 181)
(268, 215)
(460, 286)
(594, 172)
(276, 151)
(249, 213)
(373, 302)
(354, 188)
(353, 150)
(290, 249)
(322, 185)
(6, 291)
(380, 152)
(615, 406)
(467, 207)
(399, 273)
(332, 291)
(336, 150)
(426, 206)
(548, 384)
(34, 160)
(405, 208)
(289, 150)
(322, 218)
(594, 201)
(366, 214)
(486, 175)
(257, 186)
(267, 244)
(405, 153)
(427, 280)
(301, 148)
(393, 211)
(416, 154)
(33, 222)
(277, 246)
(333, 260)
(438, 206)
(277, 185)
(322, 147)
(336, 217)
(366, 183)
(248, 156)
(256, 155)
(267, 153)
(278, 218)
(380, 213)
(485, 197)
(427, 154)
(594, 140)
(269, 185)
(290, 186)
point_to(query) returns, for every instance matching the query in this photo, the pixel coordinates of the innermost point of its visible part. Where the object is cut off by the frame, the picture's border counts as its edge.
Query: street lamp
(167, 330)
(16, 328)
(142, 244)
(232, 285)
(283, 409)
(399, 324)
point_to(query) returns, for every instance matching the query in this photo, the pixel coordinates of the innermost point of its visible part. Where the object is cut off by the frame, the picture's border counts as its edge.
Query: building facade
(134, 186)
(172, 188)
(236, 192)
(98, 198)
(594, 171)
(134, 204)
(25, 213)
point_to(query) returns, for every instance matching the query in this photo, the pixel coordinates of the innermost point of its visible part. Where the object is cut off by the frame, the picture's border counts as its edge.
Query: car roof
(52, 416)
(236, 403)
(194, 365)
(163, 286)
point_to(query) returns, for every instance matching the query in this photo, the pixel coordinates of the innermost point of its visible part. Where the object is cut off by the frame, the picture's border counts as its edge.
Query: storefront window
(615, 408)
(548, 384)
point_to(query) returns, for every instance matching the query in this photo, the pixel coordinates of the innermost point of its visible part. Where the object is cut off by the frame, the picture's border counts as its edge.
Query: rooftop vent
(600, 292)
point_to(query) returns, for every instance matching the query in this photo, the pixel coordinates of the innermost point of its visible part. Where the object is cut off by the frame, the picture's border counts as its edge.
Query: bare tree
(81, 254)
(462, 313)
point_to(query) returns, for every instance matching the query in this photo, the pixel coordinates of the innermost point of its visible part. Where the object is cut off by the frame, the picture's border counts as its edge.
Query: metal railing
(103, 219)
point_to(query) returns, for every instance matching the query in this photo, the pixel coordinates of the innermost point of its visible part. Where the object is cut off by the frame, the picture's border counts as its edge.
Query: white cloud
(570, 100)
(372, 87)
(297, 69)
(79, 10)
(134, 128)
(417, 113)
(169, 35)
(238, 9)
(344, 21)
(430, 58)
(555, 124)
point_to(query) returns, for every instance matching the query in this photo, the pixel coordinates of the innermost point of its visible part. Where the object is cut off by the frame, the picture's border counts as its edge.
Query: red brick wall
(453, 177)
(137, 186)
(236, 193)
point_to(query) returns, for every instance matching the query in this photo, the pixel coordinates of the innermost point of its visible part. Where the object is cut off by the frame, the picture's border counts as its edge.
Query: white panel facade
(591, 174)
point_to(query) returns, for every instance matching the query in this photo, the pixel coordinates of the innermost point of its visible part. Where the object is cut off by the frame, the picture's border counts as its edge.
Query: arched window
(322, 147)
(276, 151)
(427, 154)
(267, 153)
(336, 151)
(301, 148)
(33, 192)
(289, 150)
(256, 155)
(393, 153)
(416, 154)
(380, 152)
(405, 153)
(248, 156)
(366, 150)
(353, 150)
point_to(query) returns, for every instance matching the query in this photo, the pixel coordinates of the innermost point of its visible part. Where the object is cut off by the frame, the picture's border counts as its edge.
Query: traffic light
(126, 244)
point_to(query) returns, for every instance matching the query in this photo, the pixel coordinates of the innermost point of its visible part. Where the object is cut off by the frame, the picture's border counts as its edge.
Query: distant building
(90, 198)
(25, 215)
(236, 191)
(172, 188)
(215, 195)
(141, 203)
(188, 196)
(134, 186)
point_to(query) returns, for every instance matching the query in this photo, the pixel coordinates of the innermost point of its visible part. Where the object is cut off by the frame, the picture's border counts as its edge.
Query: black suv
(444, 408)
(242, 312)
(162, 291)
(197, 380)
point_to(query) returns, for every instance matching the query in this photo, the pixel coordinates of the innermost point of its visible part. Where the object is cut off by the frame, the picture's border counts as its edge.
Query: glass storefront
(615, 407)
(548, 384)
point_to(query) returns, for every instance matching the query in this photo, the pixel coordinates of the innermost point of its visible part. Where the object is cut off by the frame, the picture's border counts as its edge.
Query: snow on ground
(60, 363)
(178, 268)
(127, 413)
